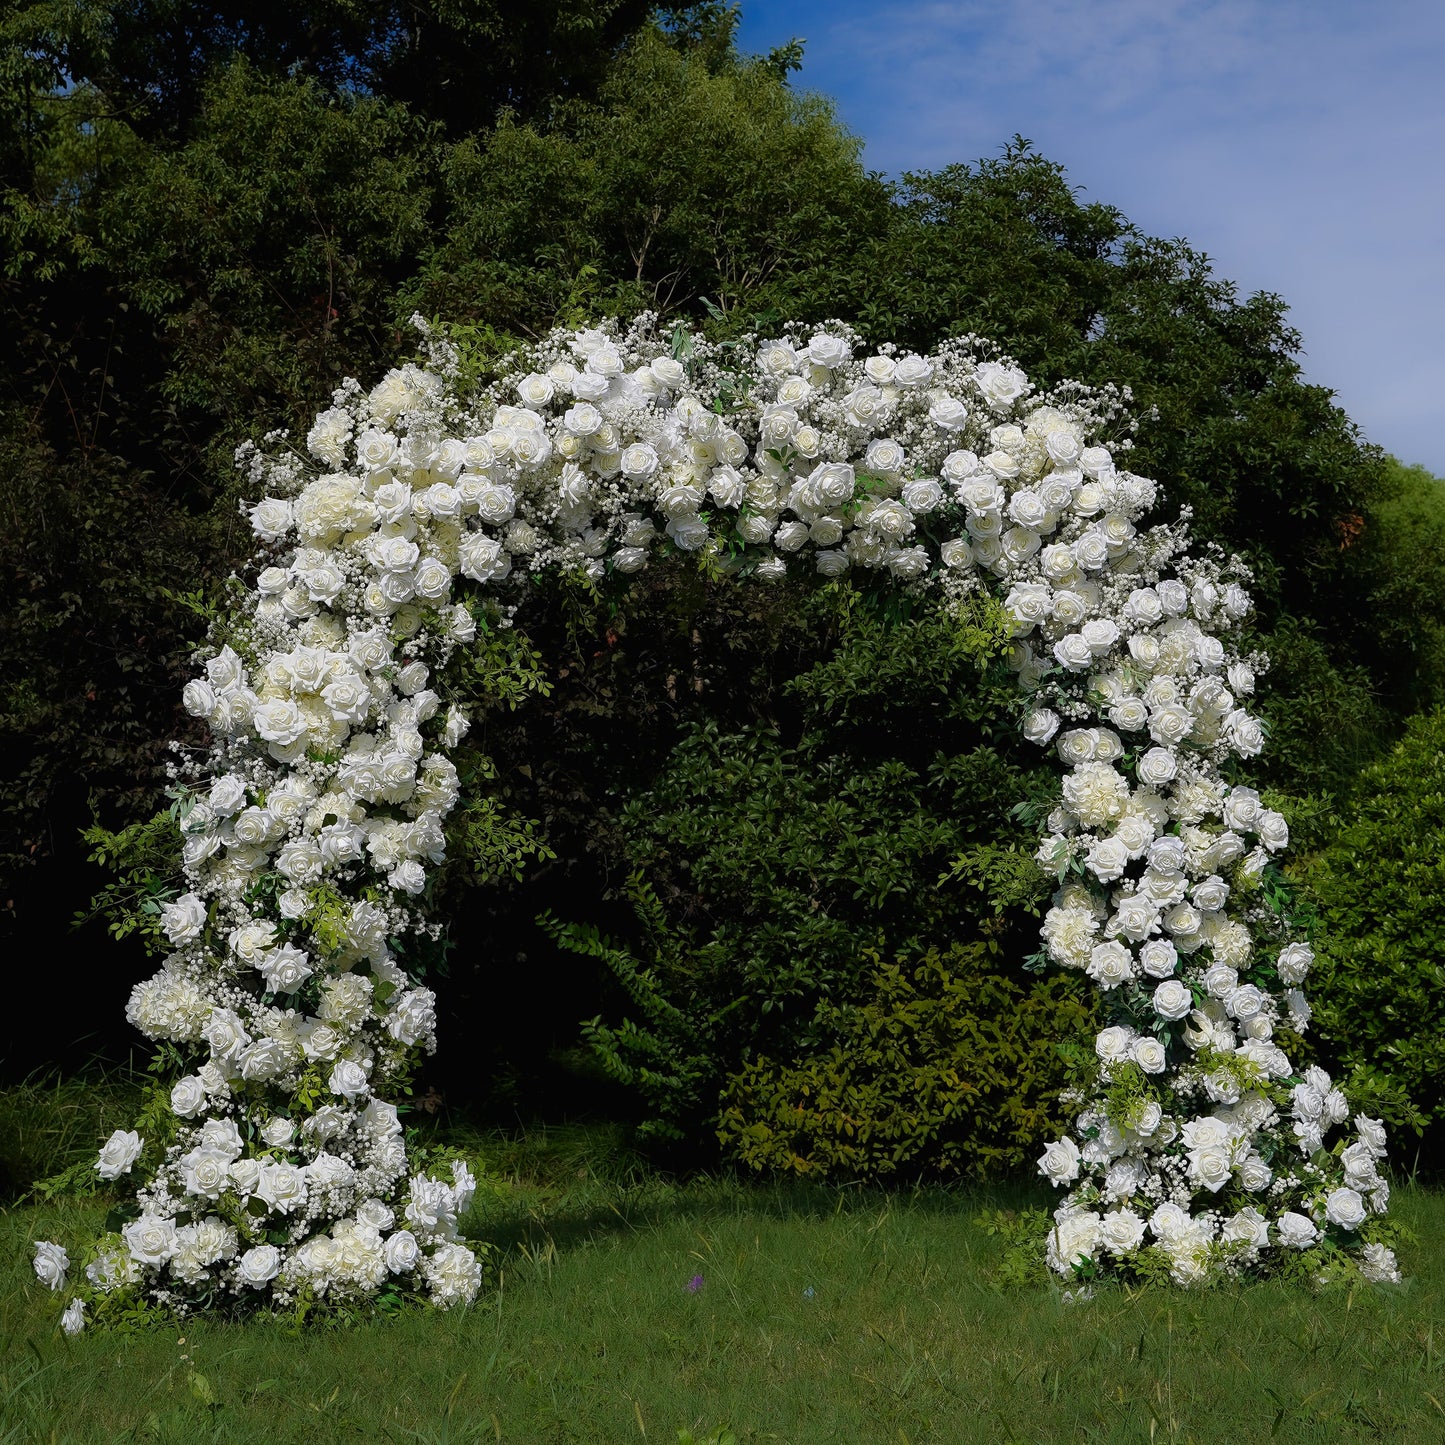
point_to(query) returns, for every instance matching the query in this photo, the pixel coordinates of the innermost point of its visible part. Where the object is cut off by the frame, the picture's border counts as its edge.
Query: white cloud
(1299, 144)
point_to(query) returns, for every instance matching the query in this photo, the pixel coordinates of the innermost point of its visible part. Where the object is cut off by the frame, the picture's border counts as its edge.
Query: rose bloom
(1113, 1043)
(1121, 1231)
(1149, 1054)
(1345, 1208)
(1295, 1231)
(1059, 1163)
(118, 1153)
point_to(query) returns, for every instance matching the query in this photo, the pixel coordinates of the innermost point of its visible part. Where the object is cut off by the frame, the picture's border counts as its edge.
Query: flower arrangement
(311, 827)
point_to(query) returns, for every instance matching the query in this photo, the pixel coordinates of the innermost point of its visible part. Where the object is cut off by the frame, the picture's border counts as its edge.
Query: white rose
(1295, 1231)
(1121, 1231)
(51, 1263)
(1170, 724)
(285, 968)
(1040, 725)
(1249, 1227)
(1107, 859)
(188, 1097)
(1244, 733)
(118, 1153)
(1113, 1044)
(1294, 962)
(277, 1131)
(483, 558)
(922, 496)
(401, 1252)
(829, 351)
(282, 1186)
(1074, 653)
(349, 1081)
(948, 414)
(1255, 1174)
(184, 919)
(279, 721)
(1172, 999)
(1000, 385)
(1149, 1054)
(1345, 1208)
(1210, 1166)
(1075, 1236)
(1059, 1163)
(150, 1239)
(1159, 958)
(258, 1266)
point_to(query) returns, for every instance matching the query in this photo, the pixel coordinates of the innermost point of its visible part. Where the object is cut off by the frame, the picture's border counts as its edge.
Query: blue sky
(1300, 143)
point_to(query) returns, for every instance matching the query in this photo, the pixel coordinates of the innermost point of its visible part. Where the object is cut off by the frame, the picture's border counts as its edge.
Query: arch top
(313, 823)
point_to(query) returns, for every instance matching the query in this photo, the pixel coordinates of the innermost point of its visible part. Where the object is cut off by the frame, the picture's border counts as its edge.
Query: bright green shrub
(1378, 988)
(949, 1064)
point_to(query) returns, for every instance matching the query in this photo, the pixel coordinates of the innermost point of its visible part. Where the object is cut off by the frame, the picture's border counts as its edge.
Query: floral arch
(278, 1165)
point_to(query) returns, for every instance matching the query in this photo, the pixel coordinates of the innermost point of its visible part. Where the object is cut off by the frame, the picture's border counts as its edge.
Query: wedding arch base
(277, 1171)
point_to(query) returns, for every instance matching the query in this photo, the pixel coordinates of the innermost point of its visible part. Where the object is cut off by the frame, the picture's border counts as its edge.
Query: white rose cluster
(312, 830)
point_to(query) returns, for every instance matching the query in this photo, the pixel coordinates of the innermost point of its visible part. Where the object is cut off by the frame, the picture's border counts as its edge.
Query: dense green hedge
(1378, 988)
(946, 1064)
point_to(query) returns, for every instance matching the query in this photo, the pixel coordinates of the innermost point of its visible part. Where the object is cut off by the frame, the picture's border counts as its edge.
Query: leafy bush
(773, 869)
(1378, 988)
(950, 1065)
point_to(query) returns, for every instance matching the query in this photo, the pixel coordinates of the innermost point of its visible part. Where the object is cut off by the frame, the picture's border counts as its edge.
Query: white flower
(1121, 1231)
(1149, 1054)
(1294, 962)
(258, 1266)
(282, 1187)
(349, 1081)
(1295, 1231)
(1059, 1163)
(1000, 385)
(1172, 1000)
(188, 1097)
(151, 1239)
(1248, 1227)
(1040, 724)
(51, 1263)
(285, 969)
(118, 1153)
(1345, 1208)
(829, 351)
(73, 1320)
(1114, 1043)
(1076, 1236)
(185, 919)
(401, 1252)
(1377, 1264)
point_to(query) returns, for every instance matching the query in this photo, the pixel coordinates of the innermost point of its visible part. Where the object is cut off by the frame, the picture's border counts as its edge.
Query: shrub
(1378, 988)
(775, 868)
(949, 1065)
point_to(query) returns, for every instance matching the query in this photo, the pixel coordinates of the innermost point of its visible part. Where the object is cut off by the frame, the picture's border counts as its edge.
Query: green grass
(823, 1315)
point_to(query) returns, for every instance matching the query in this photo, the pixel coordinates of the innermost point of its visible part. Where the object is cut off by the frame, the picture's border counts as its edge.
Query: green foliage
(1378, 987)
(1402, 551)
(949, 1065)
(773, 868)
(144, 861)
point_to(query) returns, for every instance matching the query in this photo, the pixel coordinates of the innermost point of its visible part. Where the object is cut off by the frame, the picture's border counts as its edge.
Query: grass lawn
(632, 1309)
